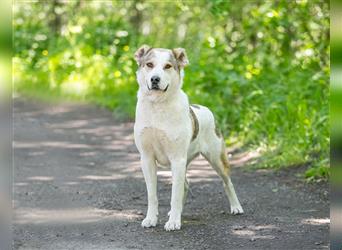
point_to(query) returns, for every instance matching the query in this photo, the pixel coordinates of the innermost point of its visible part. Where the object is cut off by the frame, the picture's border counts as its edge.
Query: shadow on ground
(78, 185)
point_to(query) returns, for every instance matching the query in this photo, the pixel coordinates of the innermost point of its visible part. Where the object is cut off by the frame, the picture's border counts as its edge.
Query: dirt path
(78, 185)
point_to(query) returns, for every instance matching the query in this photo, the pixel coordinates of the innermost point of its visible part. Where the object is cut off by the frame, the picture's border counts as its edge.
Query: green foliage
(318, 172)
(261, 66)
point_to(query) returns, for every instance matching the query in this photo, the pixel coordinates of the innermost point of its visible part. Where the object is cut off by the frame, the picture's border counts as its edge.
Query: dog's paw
(172, 225)
(236, 210)
(149, 222)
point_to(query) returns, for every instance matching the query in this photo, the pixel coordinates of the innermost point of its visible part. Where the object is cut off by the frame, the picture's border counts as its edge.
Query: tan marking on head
(172, 59)
(195, 125)
(147, 57)
(181, 57)
(142, 54)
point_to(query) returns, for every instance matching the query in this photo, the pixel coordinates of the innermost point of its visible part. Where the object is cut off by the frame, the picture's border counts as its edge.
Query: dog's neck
(172, 108)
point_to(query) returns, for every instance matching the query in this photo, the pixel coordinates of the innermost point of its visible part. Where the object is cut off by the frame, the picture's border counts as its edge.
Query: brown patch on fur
(217, 130)
(195, 106)
(147, 56)
(223, 155)
(173, 61)
(224, 159)
(195, 126)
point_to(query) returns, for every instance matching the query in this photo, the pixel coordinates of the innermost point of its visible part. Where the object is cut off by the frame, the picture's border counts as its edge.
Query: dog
(168, 131)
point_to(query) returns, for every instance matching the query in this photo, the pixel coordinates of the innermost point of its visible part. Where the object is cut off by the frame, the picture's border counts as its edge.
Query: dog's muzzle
(155, 80)
(157, 88)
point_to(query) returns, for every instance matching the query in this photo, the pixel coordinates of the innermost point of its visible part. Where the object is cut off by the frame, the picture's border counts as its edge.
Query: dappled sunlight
(70, 216)
(91, 153)
(69, 124)
(116, 176)
(241, 159)
(263, 237)
(71, 183)
(129, 167)
(113, 131)
(200, 161)
(117, 145)
(253, 232)
(51, 144)
(264, 171)
(263, 227)
(57, 110)
(316, 221)
(20, 184)
(54, 110)
(201, 173)
(199, 170)
(243, 232)
(74, 87)
(40, 178)
(164, 174)
(36, 153)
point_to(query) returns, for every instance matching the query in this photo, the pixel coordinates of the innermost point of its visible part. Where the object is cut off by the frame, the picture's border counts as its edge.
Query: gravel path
(78, 185)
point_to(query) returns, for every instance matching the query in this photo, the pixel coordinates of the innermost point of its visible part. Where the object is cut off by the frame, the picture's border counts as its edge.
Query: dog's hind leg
(186, 189)
(216, 156)
(186, 183)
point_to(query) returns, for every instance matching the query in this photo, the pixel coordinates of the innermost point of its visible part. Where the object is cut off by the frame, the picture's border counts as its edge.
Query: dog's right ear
(140, 53)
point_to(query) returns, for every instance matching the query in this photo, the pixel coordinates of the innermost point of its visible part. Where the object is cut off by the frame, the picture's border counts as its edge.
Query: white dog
(168, 131)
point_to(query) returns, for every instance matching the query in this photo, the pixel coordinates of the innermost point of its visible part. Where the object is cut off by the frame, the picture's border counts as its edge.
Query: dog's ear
(181, 57)
(140, 53)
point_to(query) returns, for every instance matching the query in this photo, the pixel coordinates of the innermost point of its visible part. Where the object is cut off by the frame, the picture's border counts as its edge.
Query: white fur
(163, 132)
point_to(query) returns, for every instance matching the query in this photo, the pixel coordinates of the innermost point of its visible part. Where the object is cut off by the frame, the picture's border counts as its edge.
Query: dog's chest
(156, 142)
(163, 130)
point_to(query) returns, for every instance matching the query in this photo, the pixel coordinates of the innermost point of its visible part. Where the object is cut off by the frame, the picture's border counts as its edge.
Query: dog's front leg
(178, 168)
(149, 169)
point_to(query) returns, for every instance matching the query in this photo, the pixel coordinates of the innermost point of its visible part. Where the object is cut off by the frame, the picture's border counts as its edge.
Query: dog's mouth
(156, 88)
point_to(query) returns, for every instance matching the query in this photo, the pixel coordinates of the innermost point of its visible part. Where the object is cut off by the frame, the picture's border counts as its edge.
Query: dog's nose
(155, 80)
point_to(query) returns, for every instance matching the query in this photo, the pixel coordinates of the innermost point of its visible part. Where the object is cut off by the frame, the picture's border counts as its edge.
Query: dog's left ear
(181, 57)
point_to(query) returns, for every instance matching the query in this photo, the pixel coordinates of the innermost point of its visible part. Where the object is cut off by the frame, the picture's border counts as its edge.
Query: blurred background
(5, 125)
(336, 124)
(261, 66)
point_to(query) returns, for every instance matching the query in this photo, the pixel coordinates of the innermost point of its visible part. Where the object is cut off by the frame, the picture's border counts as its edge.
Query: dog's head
(160, 70)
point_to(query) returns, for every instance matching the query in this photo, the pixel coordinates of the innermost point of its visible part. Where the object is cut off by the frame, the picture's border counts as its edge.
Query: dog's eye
(168, 66)
(150, 65)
